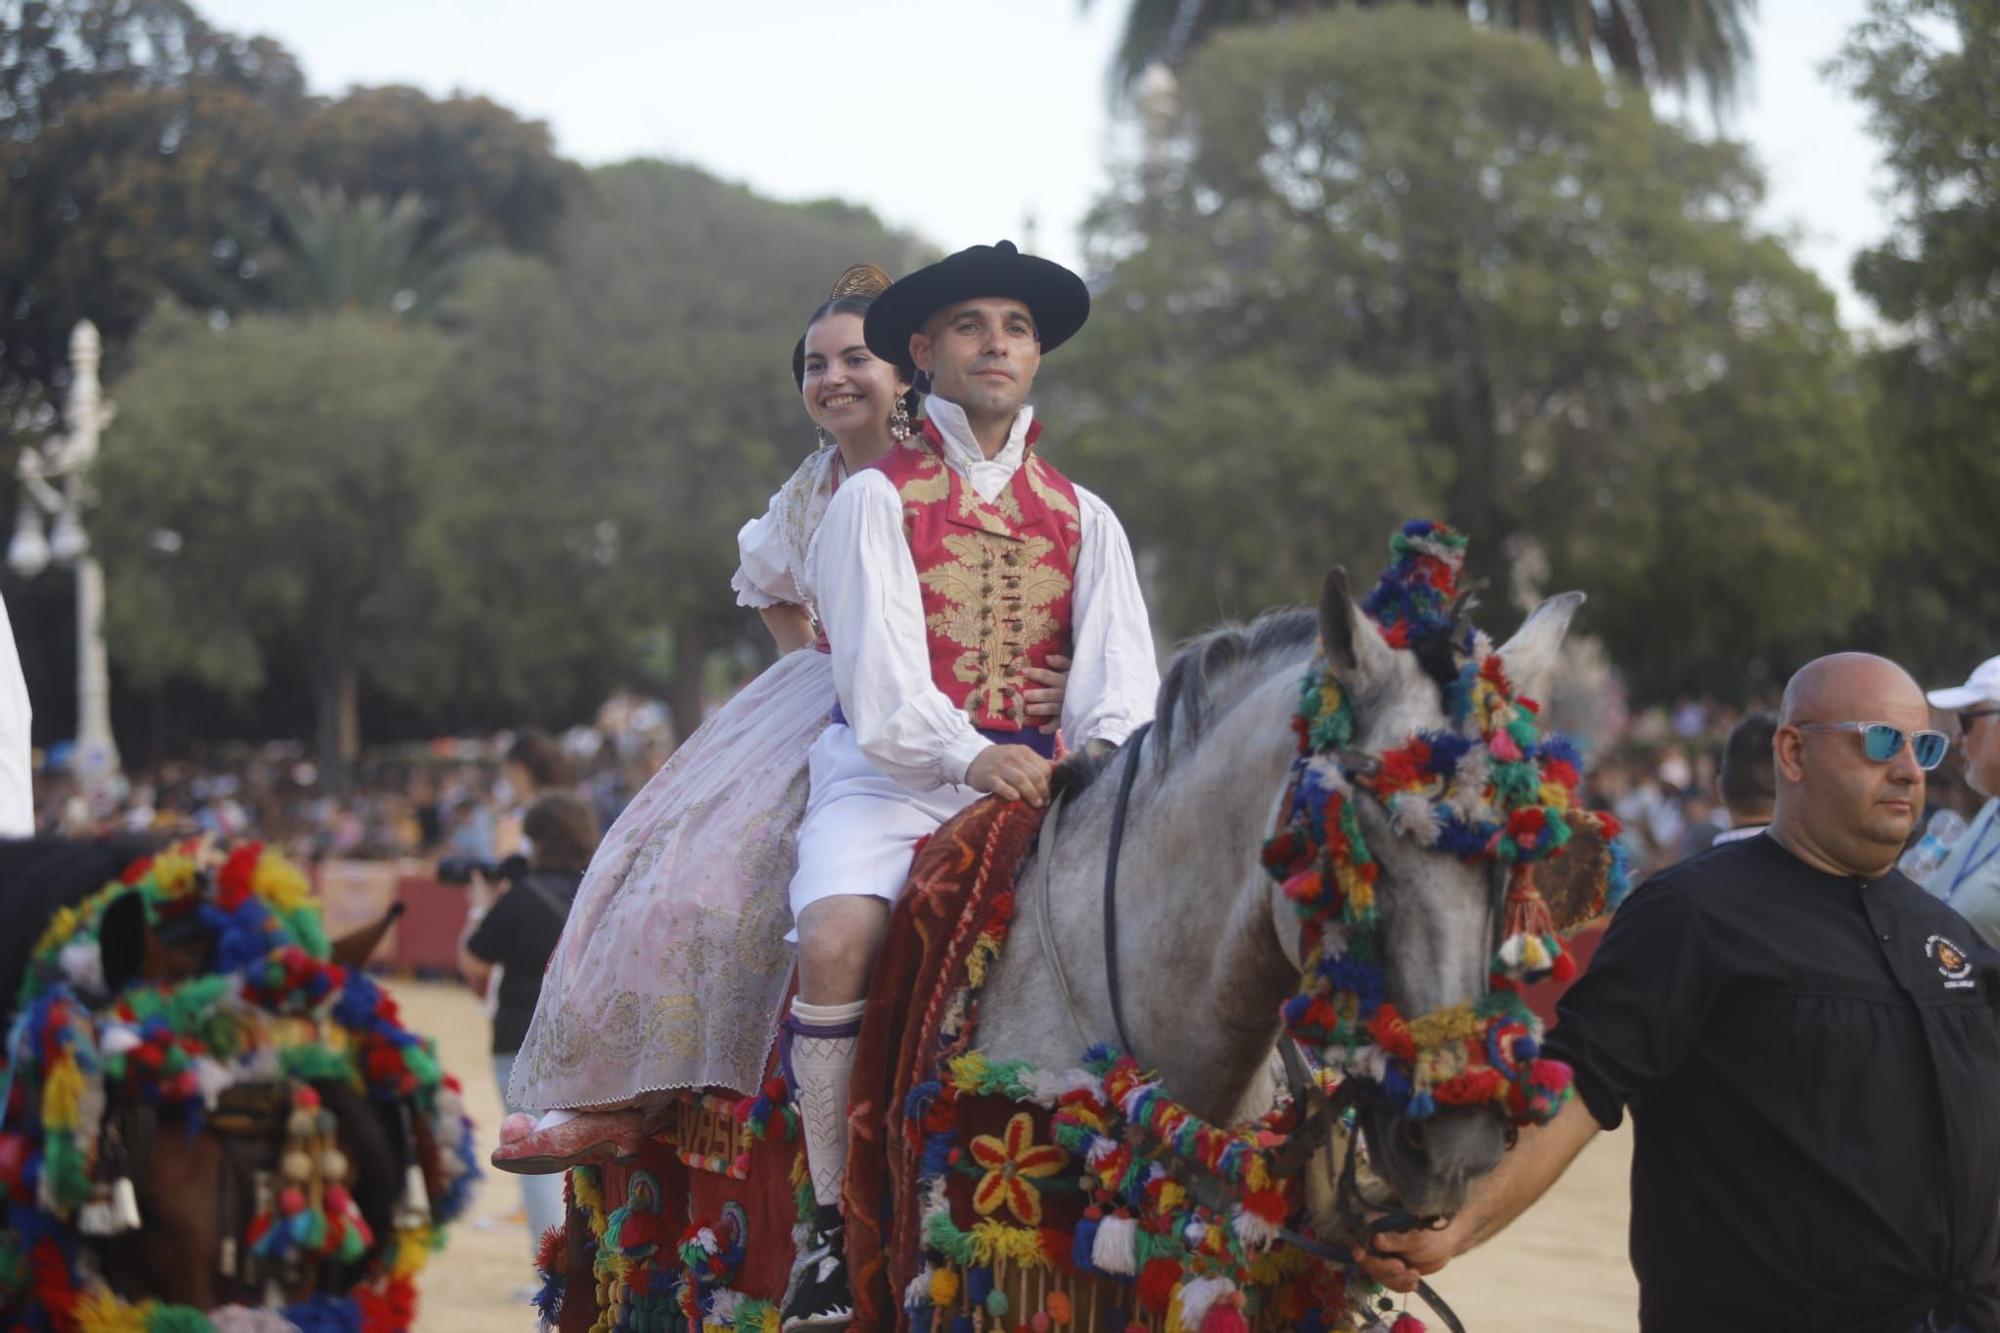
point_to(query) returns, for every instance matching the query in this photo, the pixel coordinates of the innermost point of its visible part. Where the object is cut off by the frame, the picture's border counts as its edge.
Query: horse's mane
(1194, 682)
(41, 876)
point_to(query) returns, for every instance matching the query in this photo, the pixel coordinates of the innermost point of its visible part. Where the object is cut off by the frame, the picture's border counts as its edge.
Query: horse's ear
(1530, 656)
(121, 940)
(1353, 649)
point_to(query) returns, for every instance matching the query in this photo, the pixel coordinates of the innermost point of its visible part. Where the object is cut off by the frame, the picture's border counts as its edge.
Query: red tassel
(1226, 1316)
(1527, 910)
(1156, 1285)
(1565, 967)
(1407, 1323)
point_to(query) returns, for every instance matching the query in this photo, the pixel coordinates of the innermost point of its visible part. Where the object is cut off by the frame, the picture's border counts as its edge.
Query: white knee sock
(822, 1065)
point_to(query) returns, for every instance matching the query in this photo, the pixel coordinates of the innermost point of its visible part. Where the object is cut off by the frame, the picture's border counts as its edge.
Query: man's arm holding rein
(1539, 1156)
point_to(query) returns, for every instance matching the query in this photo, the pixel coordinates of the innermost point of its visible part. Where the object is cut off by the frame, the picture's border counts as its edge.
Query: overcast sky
(918, 107)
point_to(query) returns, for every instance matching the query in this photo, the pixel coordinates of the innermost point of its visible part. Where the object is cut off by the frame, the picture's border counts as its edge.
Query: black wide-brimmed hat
(1055, 296)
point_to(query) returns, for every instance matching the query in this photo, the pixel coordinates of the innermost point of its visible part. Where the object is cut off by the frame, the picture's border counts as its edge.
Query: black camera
(458, 871)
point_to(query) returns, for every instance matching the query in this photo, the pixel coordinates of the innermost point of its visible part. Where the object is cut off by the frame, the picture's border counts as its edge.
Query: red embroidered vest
(997, 576)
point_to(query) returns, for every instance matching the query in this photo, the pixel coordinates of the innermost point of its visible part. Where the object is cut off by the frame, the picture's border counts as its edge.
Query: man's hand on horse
(1401, 1259)
(1048, 701)
(1011, 772)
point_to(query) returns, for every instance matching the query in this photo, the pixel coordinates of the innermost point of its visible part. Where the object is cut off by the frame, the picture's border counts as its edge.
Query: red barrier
(356, 893)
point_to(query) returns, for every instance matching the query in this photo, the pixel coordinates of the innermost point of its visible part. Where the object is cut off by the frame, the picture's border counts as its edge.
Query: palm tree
(1669, 44)
(331, 254)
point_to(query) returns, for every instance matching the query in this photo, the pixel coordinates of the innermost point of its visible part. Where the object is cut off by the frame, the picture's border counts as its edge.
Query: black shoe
(820, 1296)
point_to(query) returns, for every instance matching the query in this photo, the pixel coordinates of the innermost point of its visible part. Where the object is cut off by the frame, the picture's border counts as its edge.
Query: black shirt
(1812, 1063)
(519, 932)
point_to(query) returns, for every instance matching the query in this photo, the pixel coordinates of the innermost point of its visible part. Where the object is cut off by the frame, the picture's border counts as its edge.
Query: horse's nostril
(1412, 1134)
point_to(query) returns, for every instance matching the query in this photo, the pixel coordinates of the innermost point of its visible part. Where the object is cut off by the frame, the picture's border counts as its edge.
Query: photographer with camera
(517, 914)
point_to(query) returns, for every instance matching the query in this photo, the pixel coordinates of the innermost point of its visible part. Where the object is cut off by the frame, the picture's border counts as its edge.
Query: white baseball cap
(1982, 687)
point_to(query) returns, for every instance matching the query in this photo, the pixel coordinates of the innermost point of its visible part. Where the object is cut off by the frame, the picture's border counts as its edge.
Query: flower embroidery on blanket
(1011, 1161)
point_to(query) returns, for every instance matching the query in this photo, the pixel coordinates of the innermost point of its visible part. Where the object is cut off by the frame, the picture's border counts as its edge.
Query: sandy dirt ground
(1560, 1269)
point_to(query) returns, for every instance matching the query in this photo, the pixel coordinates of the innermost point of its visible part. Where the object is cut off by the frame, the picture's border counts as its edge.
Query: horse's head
(1415, 774)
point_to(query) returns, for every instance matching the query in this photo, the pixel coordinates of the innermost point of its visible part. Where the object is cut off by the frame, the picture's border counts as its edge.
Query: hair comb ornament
(860, 280)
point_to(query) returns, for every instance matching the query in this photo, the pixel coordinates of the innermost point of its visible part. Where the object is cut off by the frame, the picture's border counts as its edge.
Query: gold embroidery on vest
(1051, 496)
(997, 594)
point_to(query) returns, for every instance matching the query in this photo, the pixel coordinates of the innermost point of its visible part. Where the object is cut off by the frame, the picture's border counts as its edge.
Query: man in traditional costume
(942, 574)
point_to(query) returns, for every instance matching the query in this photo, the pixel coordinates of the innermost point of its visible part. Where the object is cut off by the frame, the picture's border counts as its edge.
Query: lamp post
(55, 481)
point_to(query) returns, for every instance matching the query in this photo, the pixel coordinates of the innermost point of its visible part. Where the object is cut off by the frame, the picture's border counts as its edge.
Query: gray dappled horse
(1209, 947)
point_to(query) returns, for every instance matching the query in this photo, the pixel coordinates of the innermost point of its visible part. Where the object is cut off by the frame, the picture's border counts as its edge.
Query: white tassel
(918, 1294)
(1414, 816)
(722, 1307)
(94, 1218)
(1198, 1297)
(124, 1205)
(1255, 1232)
(416, 1204)
(1116, 1249)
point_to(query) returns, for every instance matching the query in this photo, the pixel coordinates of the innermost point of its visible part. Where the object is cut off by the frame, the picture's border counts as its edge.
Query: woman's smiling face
(847, 389)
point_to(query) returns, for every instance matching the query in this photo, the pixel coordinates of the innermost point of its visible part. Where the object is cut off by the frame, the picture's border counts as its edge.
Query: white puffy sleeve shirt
(864, 583)
(772, 548)
(17, 791)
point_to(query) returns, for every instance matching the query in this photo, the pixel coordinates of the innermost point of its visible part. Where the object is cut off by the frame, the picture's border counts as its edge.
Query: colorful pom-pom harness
(274, 1005)
(1494, 789)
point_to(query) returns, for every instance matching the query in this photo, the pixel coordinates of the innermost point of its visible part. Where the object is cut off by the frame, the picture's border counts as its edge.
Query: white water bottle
(1922, 860)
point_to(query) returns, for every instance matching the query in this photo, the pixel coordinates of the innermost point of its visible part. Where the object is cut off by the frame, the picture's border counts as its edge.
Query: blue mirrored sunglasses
(1882, 742)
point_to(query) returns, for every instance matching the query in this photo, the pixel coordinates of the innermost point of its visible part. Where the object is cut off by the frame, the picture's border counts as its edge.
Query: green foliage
(637, 396)
(1675, 44)
(293, 461)
(1385, 263)
(140, 146)
(476, 164)
(1929, 72)
(366, 255)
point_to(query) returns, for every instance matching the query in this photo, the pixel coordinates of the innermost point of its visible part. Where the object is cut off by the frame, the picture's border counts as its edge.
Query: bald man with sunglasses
(1807, 1044)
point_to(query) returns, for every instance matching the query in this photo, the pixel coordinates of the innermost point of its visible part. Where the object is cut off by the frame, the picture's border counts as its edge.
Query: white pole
(88, 414)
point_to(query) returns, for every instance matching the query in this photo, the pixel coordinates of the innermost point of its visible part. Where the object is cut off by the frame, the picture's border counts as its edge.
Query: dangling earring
(825, 440)
(899, 420)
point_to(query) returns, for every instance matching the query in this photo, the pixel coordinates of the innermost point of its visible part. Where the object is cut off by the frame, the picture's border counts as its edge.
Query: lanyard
(1976, 858)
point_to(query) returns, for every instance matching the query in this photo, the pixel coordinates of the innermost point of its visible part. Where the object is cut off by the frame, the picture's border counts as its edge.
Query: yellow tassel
(1174, 1312)
(280, 883)
(413, 1250)
(63, 1094)
(101, 1312)
(944, 1287)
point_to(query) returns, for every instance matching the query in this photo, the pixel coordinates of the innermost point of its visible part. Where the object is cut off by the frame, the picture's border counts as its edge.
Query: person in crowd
(515, 931)
(1969, 877)
(1808, 1046)
(1747, 781)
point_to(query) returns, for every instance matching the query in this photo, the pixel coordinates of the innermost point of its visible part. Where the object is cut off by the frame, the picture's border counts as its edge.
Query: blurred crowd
(1660, 776)
(1657, 771)
(454, 797)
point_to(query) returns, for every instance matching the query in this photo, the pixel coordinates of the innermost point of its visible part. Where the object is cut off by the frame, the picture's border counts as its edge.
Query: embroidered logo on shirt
(1952, 963)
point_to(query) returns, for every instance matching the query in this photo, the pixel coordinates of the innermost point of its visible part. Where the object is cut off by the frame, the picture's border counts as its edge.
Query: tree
(478, 165)
(369, 255)
(1672, 44)
(637, 397)
(1380, 262)
(292, 463)
(132, 137)
(1929, 72)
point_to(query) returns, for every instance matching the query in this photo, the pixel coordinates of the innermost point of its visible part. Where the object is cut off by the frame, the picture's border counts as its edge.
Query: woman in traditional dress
(674, 965)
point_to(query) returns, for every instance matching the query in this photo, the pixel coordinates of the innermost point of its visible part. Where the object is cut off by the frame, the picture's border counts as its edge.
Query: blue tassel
(962, 1324)
(979, 1285)
(1079, 1250)
(920, 1318)
(937, 1156)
